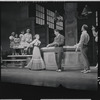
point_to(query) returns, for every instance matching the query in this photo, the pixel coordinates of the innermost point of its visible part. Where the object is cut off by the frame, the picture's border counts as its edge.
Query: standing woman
(36, 63)
(28, 40)
(16, 44)
(83, 44)
(11, 38)
(95, 34)
(22, 42)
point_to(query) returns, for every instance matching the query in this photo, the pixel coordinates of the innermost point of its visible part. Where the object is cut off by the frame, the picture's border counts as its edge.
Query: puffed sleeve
(33, 42)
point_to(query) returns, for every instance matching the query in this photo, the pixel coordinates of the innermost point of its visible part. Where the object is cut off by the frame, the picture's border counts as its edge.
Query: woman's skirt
(36, 63)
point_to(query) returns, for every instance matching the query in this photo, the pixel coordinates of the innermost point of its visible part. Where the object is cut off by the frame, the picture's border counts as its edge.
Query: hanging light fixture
(86, 11)
(57, 17)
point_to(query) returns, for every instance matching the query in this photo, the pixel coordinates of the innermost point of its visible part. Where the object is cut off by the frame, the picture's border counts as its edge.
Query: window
(50, 19)
(40, 16)
(41, 20)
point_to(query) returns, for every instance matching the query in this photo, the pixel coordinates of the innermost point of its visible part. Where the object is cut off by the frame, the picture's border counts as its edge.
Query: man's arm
(51, 44)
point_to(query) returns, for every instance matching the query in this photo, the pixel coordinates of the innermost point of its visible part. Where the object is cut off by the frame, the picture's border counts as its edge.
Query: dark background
(14, 14)
(12, 11)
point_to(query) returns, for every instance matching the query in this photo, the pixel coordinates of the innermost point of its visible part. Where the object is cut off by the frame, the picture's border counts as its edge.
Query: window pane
(39, 8)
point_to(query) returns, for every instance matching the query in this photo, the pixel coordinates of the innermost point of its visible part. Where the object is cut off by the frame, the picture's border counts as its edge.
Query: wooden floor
(70, 79)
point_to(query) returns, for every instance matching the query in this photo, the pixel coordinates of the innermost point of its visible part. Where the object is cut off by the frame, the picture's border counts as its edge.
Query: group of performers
(21, 42)
(37, 63)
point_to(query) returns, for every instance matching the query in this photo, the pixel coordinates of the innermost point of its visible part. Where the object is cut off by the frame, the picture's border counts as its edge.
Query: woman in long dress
(22, 42)
(16, 44)
(11, 38)
(36, 63)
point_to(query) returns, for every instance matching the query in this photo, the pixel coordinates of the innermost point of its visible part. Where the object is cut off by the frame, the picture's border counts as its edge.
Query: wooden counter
(71, 59)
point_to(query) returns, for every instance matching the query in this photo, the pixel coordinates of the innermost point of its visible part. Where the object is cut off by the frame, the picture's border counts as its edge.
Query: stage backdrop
(43, 31)
(24, 24)
(10, 13)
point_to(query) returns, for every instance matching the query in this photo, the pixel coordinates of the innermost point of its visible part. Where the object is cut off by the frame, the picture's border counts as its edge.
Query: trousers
(84, 50)
(59, 56)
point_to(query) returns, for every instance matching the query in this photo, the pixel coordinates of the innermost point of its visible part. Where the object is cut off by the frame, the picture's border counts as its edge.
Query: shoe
(25, 66)
(83, 71)
(87, 71)
(59, 70)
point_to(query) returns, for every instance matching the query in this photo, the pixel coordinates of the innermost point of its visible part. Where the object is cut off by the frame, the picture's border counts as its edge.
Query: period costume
(11, 41)
(22, 41)
(28, 40)
(16, 43)
(36, 63)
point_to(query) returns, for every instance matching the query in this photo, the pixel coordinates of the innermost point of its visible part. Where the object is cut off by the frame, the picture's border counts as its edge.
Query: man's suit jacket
(59, 42)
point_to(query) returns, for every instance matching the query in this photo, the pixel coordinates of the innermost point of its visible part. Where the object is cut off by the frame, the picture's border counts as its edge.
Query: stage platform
(70, 79)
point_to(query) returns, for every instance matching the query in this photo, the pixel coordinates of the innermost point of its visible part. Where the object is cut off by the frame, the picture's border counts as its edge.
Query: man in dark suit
(58, 44)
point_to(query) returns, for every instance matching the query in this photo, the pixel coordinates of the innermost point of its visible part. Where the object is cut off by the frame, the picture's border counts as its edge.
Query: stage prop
(17, 60)
(71, 59)
(14, 62)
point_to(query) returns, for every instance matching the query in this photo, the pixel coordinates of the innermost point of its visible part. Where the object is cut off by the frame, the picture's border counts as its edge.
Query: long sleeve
(59, 41)
(33, 42)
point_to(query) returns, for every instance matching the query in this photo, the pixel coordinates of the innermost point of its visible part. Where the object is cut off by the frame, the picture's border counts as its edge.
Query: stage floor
(70, 79)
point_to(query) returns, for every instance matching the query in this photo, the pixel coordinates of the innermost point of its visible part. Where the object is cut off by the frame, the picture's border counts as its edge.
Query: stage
(70, 79)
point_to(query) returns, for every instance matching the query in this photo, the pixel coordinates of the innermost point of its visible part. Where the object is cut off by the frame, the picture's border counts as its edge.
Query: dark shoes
(86, 71)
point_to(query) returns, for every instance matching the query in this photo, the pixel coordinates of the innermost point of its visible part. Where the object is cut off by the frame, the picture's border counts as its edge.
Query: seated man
(58, 44)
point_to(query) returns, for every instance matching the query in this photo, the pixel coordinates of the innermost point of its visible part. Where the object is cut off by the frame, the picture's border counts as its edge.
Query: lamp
(57, 17)
(86, 11)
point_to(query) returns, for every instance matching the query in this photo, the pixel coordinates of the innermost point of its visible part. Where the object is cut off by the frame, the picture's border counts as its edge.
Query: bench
(28, 57)
(13, 61)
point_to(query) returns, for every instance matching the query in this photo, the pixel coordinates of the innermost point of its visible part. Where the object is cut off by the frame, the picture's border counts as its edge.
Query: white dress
(28, 39)
(11, 41)
(16, 43)
(22, 41)
(36, 63)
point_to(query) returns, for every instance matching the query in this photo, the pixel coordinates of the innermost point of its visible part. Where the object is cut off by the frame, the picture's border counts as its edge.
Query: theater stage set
(71, 76)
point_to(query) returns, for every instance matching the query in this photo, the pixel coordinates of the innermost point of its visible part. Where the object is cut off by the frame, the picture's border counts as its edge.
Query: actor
(58, 44)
